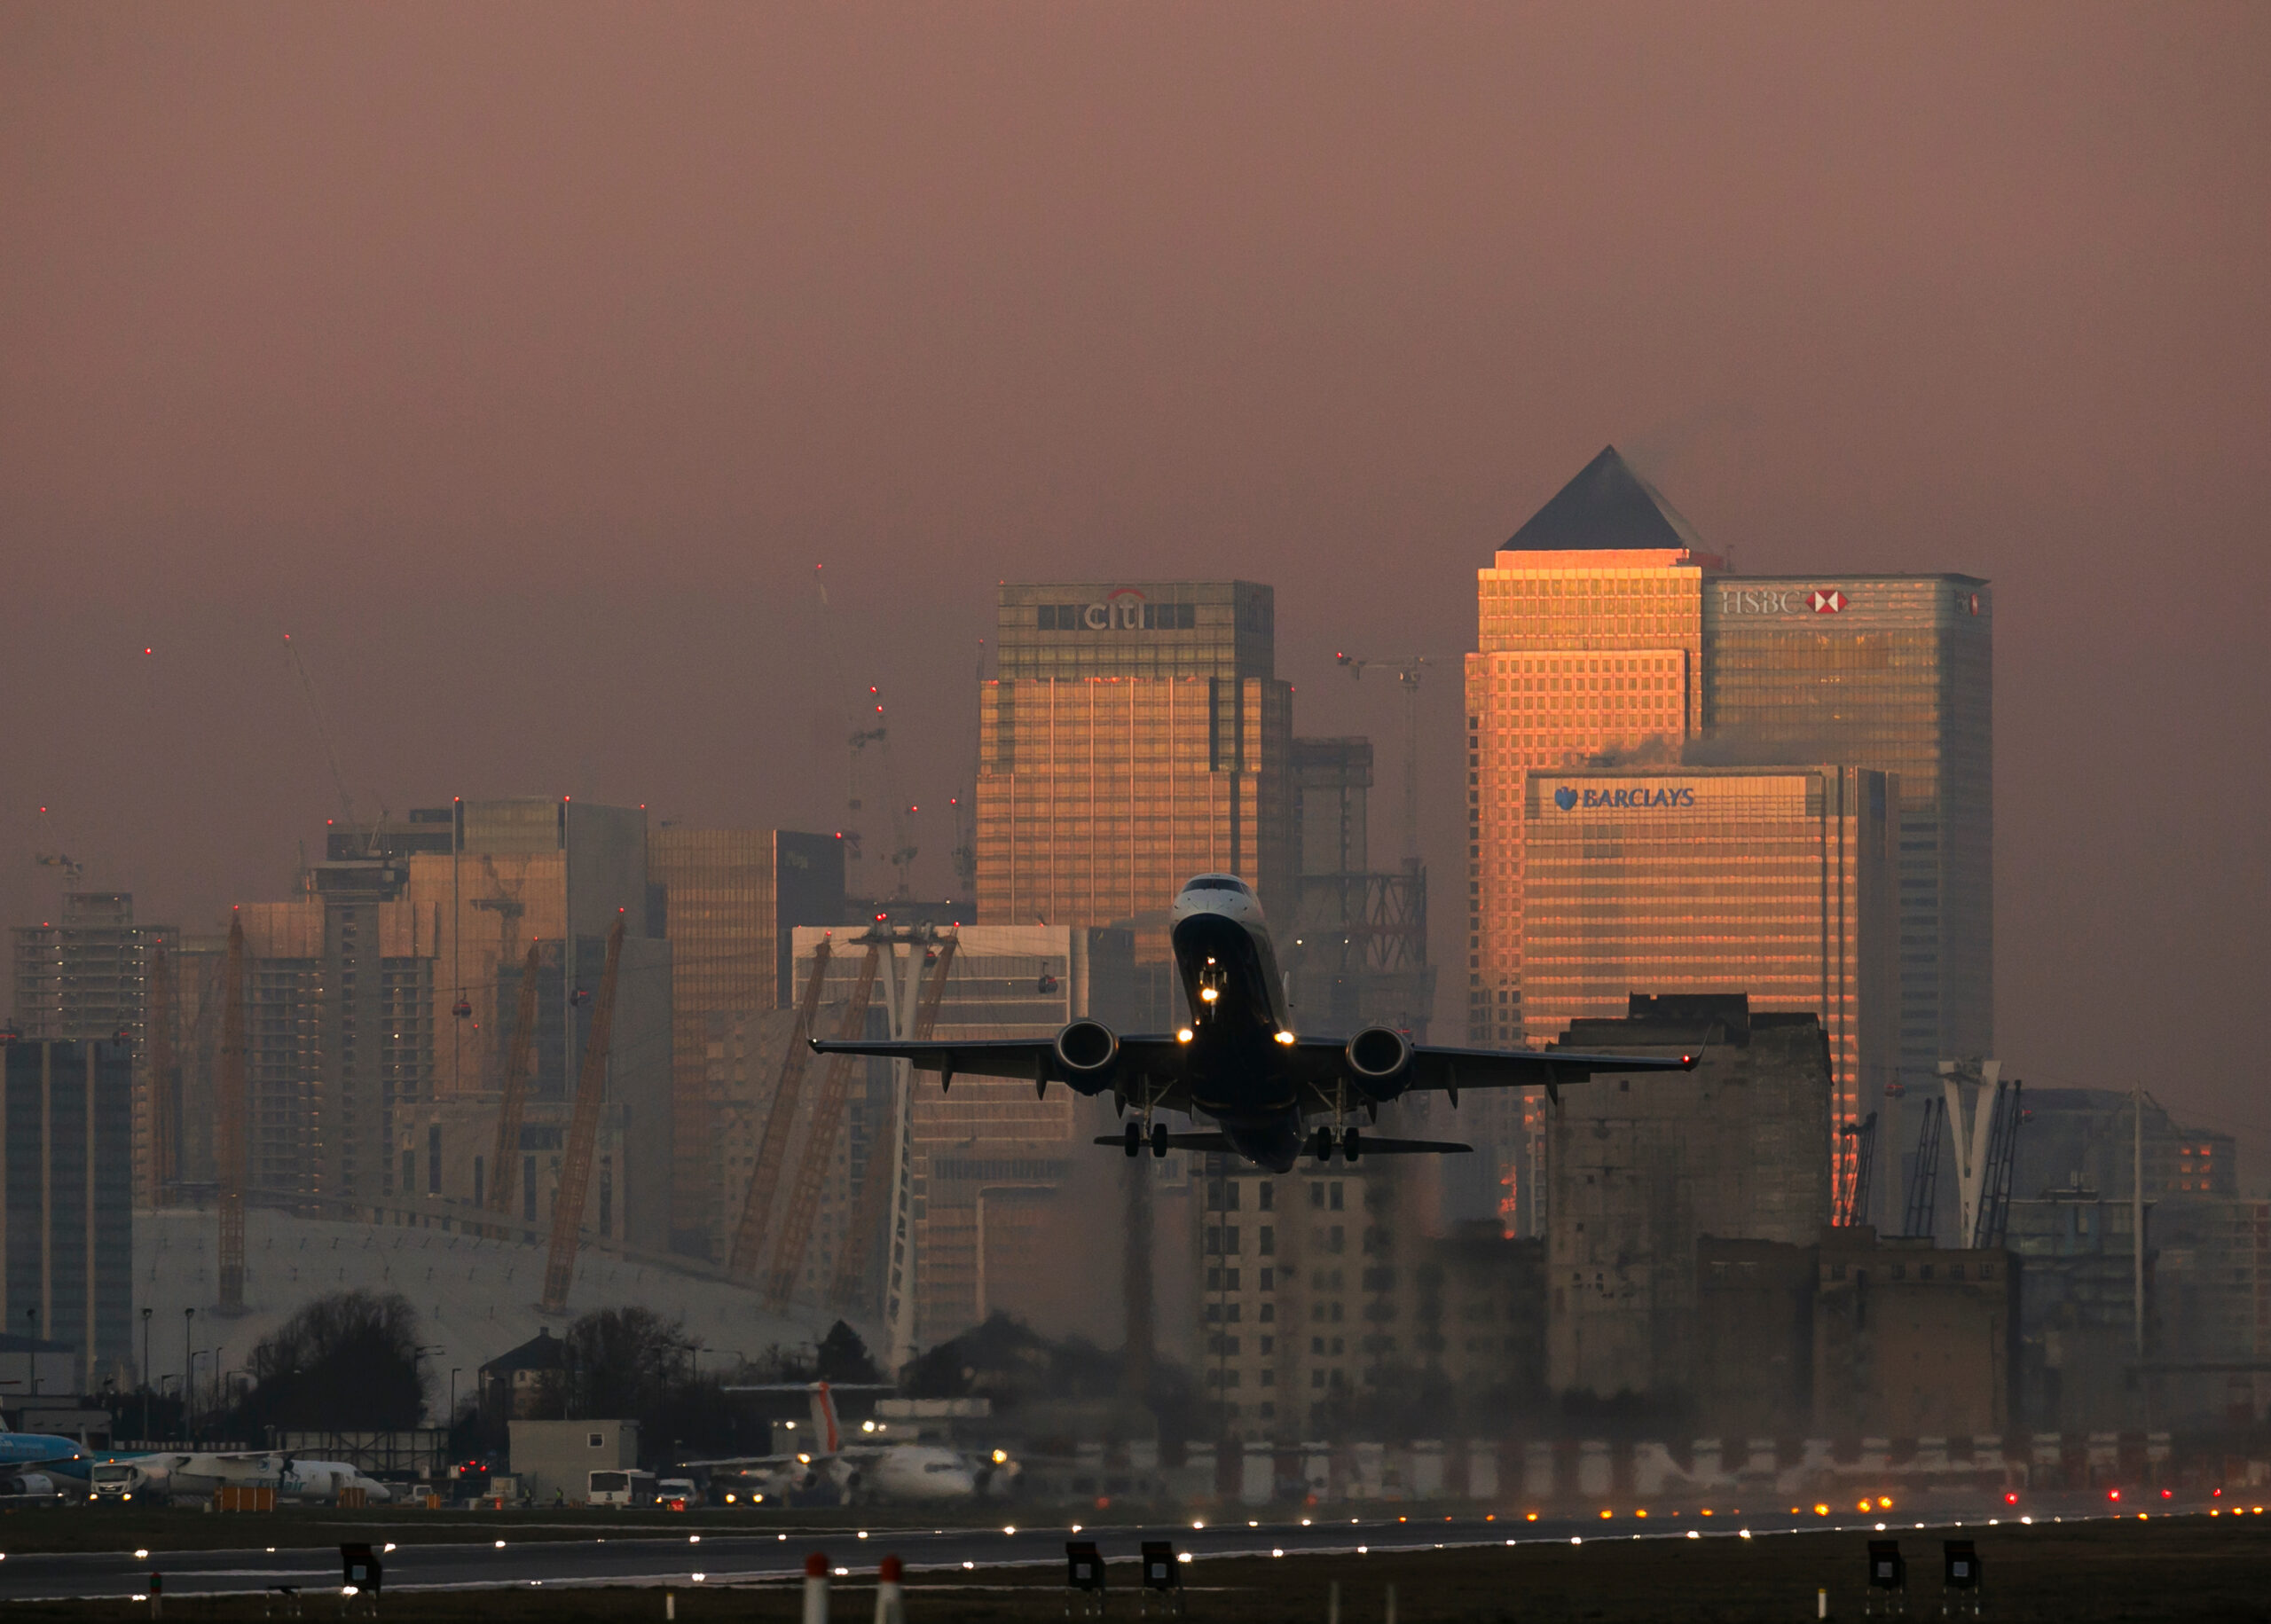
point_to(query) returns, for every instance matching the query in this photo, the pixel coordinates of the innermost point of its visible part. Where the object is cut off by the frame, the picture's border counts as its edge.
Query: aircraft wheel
(1132, 1138)
(1158, 1139)
(1323, 1148)
(1349, 1145)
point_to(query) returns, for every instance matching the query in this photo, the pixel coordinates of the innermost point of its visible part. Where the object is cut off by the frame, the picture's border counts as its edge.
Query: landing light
(1001, 1457)
(1207, 995)
(1286, 1037)
(1183, 1036)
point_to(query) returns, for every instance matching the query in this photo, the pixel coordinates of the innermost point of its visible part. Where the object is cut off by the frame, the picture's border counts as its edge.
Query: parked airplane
(1239, 1062)
(863, 1467)
(41, 1463)
(163, 1475)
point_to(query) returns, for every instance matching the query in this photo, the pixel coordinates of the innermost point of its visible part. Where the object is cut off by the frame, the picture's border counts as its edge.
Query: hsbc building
(1895, 672)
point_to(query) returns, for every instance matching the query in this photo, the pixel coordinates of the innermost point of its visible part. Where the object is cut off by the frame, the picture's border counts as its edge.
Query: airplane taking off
(1239, 1062)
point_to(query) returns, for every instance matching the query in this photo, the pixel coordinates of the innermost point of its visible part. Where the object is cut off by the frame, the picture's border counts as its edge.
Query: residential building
(85, 974)
(1357, 947)
(67, 1200)
(1014, 1207)
(730, 898)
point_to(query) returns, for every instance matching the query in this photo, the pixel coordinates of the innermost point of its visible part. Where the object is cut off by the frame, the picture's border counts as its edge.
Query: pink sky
(522, 360)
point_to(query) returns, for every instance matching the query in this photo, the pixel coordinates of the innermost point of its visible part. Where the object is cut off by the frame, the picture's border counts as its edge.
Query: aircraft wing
(751, 1462)
(1435, 1067)
(1034, 1059)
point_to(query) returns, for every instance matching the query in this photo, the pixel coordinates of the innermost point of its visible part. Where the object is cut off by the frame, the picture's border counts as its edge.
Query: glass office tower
(1608, 636)
(1590, 639)
(1772, 881)
(1133, 736)
(1893, 672)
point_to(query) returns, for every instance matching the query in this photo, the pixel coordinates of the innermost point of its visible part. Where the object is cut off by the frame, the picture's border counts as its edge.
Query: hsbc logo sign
(1745, 600)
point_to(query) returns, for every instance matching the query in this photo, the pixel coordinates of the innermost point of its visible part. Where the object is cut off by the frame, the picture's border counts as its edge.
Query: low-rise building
(1913, 1341)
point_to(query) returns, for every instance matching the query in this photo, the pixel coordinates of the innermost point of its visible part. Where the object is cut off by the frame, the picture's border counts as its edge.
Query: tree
(621, 1362)
(843, 1357)
(344, 1363)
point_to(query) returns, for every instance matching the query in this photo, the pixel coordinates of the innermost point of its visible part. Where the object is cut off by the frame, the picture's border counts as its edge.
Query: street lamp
(188, 1318)
(146, 1375)
(453, 1394)
(31, 1314)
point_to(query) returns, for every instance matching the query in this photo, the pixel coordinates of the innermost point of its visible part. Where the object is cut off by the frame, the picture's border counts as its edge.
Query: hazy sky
(522, 360)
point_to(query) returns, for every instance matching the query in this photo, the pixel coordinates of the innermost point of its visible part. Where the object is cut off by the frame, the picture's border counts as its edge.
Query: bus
(623, 1488)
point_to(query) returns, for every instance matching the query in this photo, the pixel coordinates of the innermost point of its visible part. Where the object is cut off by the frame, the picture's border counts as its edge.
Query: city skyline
(1939, 293)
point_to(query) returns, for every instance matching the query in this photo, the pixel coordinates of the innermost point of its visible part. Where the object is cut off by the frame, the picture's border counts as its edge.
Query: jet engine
(1086, 1047)
(1379, 1054)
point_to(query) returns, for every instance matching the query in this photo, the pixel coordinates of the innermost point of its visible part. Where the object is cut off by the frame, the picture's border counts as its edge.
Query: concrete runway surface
(777, 1555)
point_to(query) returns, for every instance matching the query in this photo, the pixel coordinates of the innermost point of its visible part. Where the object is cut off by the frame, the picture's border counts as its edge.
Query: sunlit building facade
(1894, 673)
(1133, 736)
(1770, 882)
(1591, 640)
(1608, 636)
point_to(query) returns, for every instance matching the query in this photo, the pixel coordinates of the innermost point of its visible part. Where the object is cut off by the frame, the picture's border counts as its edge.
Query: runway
(711, 1558)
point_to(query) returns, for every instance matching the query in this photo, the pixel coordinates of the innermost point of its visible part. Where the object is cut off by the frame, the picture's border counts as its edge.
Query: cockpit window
(1217, 883)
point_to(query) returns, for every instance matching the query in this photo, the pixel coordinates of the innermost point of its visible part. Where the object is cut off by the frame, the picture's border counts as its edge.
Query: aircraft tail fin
(827, 1437)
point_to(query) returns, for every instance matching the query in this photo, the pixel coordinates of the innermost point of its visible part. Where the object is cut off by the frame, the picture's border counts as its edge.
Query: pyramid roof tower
(1607, 506)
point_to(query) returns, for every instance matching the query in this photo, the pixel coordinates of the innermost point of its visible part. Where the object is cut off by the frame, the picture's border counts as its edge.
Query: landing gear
(1321, 1147)
(1349, 1145)
(1132, 1138)
(1159, 1140)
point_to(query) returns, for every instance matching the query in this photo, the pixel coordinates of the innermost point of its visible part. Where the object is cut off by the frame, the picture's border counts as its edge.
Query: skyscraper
(730, 899)
(67, 1199)
(84, 974)
(1772, 883)
(1591, 640)
(1893, 672)
(1133, 736)
(1608, 636)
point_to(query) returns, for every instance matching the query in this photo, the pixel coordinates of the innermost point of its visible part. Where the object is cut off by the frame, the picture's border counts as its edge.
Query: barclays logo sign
(1621, 800)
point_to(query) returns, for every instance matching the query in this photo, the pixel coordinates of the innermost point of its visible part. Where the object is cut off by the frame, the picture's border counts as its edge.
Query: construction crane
(1409, 670)
(583, 1135)
(230, 1130)
(874, 1187)
(819, 1141)
(330, 749)
(1924, 1182)
(2002, 1152)
(507, 1156)
(161, 1078)
(864, 721)
(773, 1147)
(1864, 1135)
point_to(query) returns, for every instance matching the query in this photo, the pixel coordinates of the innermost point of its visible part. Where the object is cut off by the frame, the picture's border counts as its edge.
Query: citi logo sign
(1621, 800)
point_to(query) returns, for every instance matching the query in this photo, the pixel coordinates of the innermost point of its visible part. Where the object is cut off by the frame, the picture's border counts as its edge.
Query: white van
(623, 1488)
